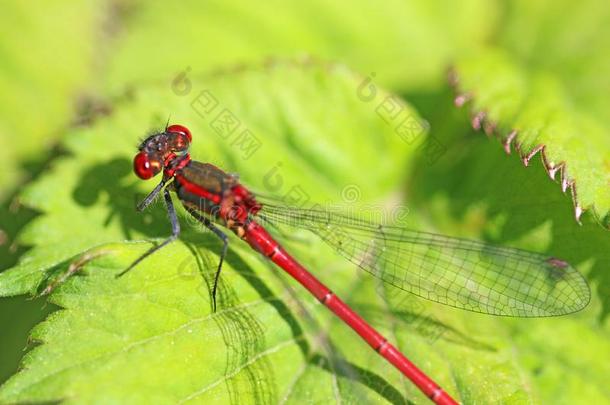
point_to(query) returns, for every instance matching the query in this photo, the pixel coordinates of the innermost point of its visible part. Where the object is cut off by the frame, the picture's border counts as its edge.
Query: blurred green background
(538, 67)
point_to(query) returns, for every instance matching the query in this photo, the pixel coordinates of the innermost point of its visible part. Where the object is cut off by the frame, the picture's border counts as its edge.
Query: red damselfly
(462, 273)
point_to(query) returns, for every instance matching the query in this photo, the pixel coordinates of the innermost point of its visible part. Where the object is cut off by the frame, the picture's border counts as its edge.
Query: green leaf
(44, 62)
(288, 126)
(119, 338)
(476, 189)
(408, 45)
(544, 82)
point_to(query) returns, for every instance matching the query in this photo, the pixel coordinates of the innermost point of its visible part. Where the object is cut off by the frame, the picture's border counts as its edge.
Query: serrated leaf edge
(480, 121)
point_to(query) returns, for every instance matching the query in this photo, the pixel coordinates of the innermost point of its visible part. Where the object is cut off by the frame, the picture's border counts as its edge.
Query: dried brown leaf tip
(509, 139)
(461, 99)
(489, 127)
(578, 212)
(477, 120)
(526, 159)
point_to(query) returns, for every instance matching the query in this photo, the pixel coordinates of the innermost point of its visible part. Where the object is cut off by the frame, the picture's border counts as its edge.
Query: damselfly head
(160, 149)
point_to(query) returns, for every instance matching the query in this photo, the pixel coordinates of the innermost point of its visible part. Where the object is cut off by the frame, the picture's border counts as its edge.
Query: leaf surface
(542, 91)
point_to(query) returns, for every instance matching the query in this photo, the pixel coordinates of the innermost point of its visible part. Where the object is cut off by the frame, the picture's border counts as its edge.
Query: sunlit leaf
(44, 62)
(543, 91)
(404, 44)
(309, 120)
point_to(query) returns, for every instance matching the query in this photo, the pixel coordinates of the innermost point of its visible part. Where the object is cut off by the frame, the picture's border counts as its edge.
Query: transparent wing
(458, 272)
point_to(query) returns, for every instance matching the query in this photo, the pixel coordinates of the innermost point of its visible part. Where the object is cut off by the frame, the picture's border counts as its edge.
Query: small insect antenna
(167, 123)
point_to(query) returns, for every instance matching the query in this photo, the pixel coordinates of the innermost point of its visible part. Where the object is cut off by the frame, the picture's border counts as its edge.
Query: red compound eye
(181, 130)
(144, 167)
